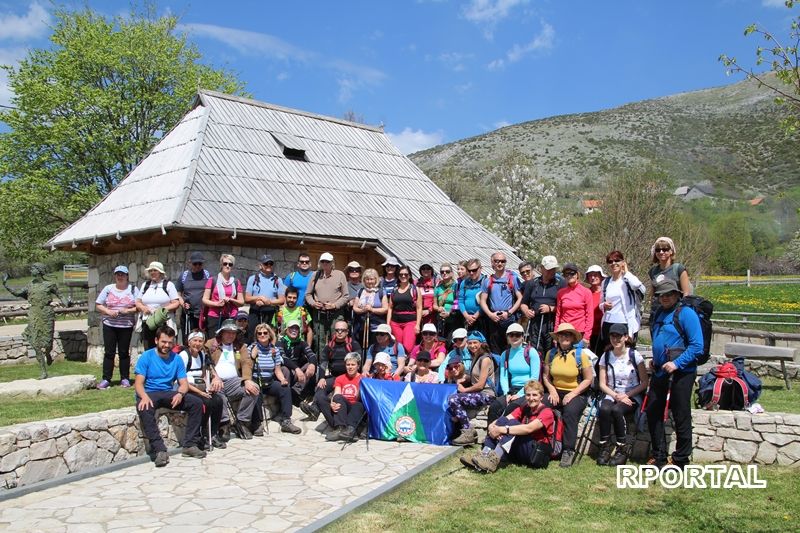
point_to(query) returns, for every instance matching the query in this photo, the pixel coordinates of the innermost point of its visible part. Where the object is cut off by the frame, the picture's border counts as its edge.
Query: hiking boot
(486, 462)
(288, 427)
(125, 384)
(621, 455)
(335, 434)
(468, 436)
(103, 385)
(162, 458)
(259, 431)
(659, 463)
(348, 435)
(246, 433)
(567, 457)
(217, 442)
(467, 460)
(605, 453)
(193, 451)
(225, 433)
(310, 410)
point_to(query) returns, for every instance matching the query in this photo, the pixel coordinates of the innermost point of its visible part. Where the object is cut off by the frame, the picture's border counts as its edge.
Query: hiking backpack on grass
(728, 387)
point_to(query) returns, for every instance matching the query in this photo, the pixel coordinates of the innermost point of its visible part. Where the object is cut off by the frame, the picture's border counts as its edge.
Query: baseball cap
(122, 269)
(326, 256)
(549, 261)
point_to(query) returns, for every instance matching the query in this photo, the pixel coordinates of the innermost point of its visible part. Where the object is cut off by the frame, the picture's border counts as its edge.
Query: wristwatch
(508, 430)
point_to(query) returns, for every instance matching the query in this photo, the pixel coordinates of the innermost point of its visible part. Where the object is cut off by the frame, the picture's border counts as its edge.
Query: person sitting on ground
(518, 364)
(623, 377)
(300, 363)
(223, 295)
(574, 302)
(384, 343)
(405, 310)
(567, 381)
(264, 367)
(459, 351)
(344, 411)
(431, 344)
(242, 322)
(156, 371)
(382, 368)
(422, 372)
(370, 303)
(331, 366)
(227, 353)
(478, 393)
(205, 385)
(528, 429)
(290, 311)
(455, 372)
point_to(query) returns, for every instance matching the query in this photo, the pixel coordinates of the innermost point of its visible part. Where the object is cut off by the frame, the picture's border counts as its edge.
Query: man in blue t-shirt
(300, 277)
(675, 369)
(156, 371)
(500, 300)
(265, 294)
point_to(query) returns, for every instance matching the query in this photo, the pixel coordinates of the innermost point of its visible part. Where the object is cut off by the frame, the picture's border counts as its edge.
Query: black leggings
(117, 340)
(571, 415)
(612, 412)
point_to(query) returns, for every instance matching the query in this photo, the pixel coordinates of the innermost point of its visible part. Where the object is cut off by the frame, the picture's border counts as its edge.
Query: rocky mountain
(729, 136)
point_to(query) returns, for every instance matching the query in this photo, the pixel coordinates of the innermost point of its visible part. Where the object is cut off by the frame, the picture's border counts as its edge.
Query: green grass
(776, 399)
(448, 497)
(87, 401)
(778, 298)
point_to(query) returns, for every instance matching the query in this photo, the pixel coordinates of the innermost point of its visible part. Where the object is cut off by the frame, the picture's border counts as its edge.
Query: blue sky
(435, 71)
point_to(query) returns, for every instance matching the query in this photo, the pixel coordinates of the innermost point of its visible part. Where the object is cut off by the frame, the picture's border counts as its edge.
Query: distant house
(590, 206)
(244, 177)
(693, 192)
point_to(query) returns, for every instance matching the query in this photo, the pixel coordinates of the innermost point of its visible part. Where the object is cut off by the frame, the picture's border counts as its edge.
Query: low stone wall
(54, 448)
(70, 345)
(717, 436)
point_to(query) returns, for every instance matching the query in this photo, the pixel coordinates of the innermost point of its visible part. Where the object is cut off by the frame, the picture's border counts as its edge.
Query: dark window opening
(294, 153)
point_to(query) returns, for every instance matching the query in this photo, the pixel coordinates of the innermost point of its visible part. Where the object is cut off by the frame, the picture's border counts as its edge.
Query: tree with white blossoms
(525, 214)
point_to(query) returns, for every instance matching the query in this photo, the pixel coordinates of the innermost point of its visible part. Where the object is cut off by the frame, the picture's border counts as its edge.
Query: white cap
(429, 327)
(594, 268)
(383, 328)
(353, 264)
(514, 328)
(384, 358)
(326, 257)
(460, 333)
(549, 262)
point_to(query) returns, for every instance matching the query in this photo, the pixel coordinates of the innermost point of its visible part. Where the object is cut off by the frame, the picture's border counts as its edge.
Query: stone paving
(278, 482)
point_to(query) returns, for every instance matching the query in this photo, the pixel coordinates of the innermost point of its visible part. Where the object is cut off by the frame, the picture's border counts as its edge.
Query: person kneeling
(524, 436)
(156, 371)
(345, 410)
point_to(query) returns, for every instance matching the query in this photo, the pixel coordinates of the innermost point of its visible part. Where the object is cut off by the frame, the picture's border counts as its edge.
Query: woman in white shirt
(156, 293)
(623, 378)
(621, 301)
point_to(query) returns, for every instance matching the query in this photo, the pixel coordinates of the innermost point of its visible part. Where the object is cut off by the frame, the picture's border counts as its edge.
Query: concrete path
(61, 325)
(278, 482)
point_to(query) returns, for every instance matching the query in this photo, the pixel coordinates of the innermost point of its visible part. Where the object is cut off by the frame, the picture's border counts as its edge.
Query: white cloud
(249, 43)
(353, 77)
(454, 60)
(29, 26)
(409, 141)
(282, 76)
(487, 13)
(501, 124)
(542, 41)
(773, 3)
(464, 87)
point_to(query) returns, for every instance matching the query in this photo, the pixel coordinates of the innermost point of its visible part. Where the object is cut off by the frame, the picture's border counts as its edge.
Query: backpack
(509, 285)
(728, 387)
(257, 281)
(556, 441)
(704, 310)
(147, 286)
(186, 273)
(610, 370)
(348, 343)
(303, 319)
(578, 349)
(635, 297)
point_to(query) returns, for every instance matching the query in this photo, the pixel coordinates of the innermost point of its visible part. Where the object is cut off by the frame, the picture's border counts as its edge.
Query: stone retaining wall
(44, 450)
(70, 345)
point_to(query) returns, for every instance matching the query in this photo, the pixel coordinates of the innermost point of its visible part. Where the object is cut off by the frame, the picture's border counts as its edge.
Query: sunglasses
(662, 250)
(445, 271)
(354, 270)
(227, 264)
(613, 261)
(262, 333)
(381, 334)
(268, 263)
(304, 261)
(570, 274)
(428, 333)
(472, 270)
(460, 339)
(197, 264)
(340, 330)
(403, 275)
(526, 272)
(324, 261)
(514, 334)
(498, 261)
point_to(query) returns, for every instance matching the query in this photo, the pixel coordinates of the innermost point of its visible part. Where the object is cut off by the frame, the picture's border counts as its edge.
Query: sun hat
(228, 325)
(566, 327)
(392, 261)
(665, 286)
(353, 264)
(593, 268)
(155, 265)
(459, 333)
(384, 359)
(383, 328)
(293, 323)
(429, 327)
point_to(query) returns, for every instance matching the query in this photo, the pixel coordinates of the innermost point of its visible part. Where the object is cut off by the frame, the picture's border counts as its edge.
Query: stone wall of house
(54, 448)
(70, 345)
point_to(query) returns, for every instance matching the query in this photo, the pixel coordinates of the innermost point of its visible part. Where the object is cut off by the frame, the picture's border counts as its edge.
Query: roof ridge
(259, 103)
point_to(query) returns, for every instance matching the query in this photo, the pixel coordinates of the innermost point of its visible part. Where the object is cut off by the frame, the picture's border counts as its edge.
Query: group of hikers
(535, 345)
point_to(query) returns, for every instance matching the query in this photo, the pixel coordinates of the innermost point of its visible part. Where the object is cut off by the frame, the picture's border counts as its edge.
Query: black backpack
(704, 310)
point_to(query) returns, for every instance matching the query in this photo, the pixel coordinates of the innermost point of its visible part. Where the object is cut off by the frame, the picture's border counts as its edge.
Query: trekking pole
(669, 393)
(591, 418)
(366, 337)
(207, 382)
(234, 420)
(261, 390)
(539, 334)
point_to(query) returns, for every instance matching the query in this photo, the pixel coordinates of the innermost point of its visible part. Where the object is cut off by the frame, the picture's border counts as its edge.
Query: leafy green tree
(87, 110)
(734, 244)
(780, 53)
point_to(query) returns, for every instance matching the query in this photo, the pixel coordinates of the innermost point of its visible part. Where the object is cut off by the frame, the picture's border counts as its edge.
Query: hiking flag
(416, 412)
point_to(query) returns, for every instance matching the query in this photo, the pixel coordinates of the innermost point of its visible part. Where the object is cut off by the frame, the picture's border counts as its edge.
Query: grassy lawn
(448, 497)
(87, 401)
(758, 298)
(776, 399)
